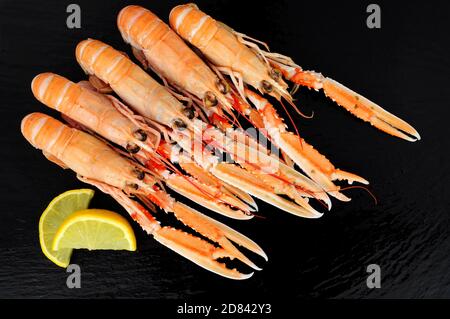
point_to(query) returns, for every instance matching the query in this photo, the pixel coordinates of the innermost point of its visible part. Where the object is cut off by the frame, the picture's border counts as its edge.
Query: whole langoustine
(98, 164)
(159, 47)
(155, 103)
(98, 113)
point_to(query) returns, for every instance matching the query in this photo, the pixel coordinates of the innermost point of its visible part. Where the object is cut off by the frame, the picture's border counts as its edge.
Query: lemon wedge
(95, 229)
(53, 217)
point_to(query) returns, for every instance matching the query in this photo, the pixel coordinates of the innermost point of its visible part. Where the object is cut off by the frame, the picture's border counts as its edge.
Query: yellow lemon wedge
(95, 229)
(54, 215)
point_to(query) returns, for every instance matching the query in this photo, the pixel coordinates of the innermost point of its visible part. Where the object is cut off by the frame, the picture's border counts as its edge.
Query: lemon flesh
(53, 217)
(95, 229)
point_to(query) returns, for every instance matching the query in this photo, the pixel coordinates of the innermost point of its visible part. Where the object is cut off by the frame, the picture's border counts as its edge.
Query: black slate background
(404, 66)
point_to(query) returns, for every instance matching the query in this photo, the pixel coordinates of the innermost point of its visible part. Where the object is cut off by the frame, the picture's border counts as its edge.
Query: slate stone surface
(404, 66)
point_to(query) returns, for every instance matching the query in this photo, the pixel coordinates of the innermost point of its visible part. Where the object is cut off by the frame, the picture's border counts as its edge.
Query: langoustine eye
(210, 99)
(275, 74)
(133, 148)
(189, 112)
(140, 175)
(179, 124)
(133, 186)
(140, 135)
(223, 86)
(266, 86)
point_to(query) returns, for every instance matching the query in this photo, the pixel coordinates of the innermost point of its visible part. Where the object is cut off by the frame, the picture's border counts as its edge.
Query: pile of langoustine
(168, 135)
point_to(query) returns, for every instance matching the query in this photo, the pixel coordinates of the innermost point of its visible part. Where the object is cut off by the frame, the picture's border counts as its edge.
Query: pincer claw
(202, 252)
(369, 111)
(196, 250)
